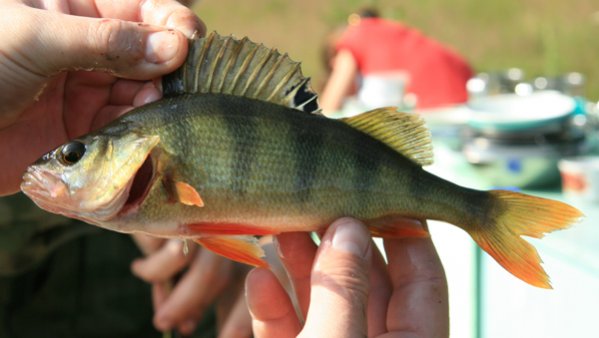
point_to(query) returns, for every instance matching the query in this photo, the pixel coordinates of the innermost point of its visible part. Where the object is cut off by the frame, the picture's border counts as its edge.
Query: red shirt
(437, 75)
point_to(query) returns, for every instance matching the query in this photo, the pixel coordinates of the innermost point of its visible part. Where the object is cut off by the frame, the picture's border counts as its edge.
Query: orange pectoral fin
(188, 195)
(394, 226)
(243, 249)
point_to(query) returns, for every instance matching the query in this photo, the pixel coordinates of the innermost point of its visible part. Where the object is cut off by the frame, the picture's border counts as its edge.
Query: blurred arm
(338, 86)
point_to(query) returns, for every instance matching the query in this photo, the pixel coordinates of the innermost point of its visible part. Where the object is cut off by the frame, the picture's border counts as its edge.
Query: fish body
(219, 167)
(272, 168)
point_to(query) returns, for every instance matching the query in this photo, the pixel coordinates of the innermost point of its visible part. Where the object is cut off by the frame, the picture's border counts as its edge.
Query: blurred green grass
(543, 37)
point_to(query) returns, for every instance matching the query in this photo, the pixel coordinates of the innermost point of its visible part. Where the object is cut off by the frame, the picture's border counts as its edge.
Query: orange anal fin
(188, 195)
(243, 249)
(394, 226)
(224, 228)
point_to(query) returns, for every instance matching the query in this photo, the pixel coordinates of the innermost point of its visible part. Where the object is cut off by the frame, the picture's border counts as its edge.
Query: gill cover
(96, 185)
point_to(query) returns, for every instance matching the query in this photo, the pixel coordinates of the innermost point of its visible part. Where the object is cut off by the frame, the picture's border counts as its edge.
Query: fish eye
(71, 152)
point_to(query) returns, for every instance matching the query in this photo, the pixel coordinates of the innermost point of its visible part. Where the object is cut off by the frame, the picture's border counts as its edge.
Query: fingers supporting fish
(270, 307)
(147, 244)
(133, 50)
(233, 316)
(379, 295)
(297, 251)
(205, 280)
(165, 263)
(419, 284)
(340, 281)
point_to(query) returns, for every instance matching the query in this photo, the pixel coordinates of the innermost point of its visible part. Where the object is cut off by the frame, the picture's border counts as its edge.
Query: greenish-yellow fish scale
(260, 161)
(250, 157)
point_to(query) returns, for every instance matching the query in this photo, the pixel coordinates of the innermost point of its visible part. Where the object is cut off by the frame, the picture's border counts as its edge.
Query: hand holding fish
(204, 279)
(345, 289)
(46, 96)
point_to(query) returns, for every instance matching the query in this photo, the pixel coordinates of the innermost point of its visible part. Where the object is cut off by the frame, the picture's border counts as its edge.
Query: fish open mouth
(139, 187)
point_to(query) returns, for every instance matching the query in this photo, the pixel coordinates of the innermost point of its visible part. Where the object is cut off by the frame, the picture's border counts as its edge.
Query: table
(486, 301)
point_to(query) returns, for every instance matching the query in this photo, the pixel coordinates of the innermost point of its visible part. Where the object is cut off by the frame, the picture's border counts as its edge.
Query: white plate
(511, 111)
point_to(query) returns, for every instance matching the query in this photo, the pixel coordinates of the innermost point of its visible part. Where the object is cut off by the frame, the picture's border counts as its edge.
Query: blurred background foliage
(542, 37)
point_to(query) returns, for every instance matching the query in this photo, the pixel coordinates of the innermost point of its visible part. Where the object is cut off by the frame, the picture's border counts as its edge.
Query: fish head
(89, 178)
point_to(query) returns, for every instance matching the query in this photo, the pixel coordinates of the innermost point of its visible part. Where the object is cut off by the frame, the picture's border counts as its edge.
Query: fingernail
(162, 46)
(351, 236)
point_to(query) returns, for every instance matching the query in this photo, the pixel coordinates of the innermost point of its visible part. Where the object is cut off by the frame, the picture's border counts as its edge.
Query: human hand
(205, 279)
(67, 67)
(349, 291)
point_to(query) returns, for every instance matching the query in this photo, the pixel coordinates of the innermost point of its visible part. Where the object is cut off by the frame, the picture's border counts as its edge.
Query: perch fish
(237, 148)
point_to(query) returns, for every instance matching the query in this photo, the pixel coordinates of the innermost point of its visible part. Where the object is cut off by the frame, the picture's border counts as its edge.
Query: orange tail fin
(514, 215)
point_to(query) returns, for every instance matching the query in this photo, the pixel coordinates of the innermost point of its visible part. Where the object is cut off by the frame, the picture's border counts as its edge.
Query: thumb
(340, 287)
(127, 49)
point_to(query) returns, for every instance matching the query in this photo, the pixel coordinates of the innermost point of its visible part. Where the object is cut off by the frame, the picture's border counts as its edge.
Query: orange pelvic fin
(188, 195)
(243, 249)
(393, 226)
(514, 215)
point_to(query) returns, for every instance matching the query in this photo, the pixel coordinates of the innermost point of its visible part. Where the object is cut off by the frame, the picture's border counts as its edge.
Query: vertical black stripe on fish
(483, 208)
(179, 132)
(243, 132)
(185, 132)
(418, 186)
(367, 160)
(423, 187)
(307, 147)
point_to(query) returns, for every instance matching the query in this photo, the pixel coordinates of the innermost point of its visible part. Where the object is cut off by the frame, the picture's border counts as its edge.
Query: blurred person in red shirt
(392, 62)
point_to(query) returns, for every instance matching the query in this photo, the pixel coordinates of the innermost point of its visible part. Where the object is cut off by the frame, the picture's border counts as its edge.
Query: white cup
(580, 177)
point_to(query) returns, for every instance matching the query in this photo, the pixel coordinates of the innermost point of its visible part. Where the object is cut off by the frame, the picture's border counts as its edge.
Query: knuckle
(353, 283)
(344, 275)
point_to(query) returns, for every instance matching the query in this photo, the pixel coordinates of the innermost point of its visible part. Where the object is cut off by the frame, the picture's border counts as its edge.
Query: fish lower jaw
(53, 195)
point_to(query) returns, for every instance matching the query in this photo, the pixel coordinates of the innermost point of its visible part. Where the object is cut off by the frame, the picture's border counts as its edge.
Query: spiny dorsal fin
(217, 64)
(404, 132)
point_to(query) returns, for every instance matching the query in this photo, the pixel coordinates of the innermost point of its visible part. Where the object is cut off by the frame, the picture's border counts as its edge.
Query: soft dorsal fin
(217, 64)
(404, 132)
